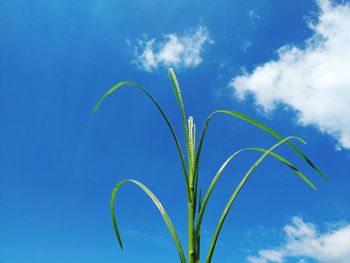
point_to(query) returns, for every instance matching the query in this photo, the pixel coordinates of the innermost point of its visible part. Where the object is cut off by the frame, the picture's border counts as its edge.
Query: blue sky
(283, 63)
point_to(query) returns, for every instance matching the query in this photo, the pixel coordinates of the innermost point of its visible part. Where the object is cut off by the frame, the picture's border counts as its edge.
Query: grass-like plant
(196, 203)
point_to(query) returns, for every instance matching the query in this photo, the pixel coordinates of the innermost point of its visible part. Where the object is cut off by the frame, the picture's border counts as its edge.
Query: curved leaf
(238, 189)
(286, 162)
(259, 125)
(274, 133)
(160, 208)
(125, 83)
(222, 168)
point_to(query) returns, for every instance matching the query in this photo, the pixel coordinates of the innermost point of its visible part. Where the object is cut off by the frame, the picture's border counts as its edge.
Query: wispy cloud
(313, 80)
(304, 241)
(179, 51)
(254, 17)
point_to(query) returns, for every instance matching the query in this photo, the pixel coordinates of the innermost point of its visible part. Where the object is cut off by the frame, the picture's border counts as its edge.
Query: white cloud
(304, 241)
(254, 17)
(180, 51)
(314, 80)
(267, 256)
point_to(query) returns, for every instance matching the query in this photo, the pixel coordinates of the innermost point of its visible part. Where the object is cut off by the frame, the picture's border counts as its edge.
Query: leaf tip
(94, 109)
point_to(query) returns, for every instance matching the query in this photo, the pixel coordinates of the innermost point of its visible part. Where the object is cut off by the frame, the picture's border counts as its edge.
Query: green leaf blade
(173, 134)
(160, 207)
(178, 96)
(223, 167)
(275, 134)
(238, 189)
(290, 165)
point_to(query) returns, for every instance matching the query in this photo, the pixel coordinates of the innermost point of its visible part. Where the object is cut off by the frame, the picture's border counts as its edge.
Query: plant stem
(191, 207)
(191, 215)
(191, 241)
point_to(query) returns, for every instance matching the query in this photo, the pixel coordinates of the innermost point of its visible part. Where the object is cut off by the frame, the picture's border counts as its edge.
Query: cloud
(180, 51)
(313, 80)
(304, 241)
(254, 17)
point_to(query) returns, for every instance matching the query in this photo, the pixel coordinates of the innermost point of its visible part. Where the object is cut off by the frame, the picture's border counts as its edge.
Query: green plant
(197, 204)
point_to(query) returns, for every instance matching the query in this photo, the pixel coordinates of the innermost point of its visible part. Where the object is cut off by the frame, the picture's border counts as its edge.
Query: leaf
(178, 95)
(222, 168)
(158, 205)
(239, 187)
(286, 162)
(274, 133)
(176, 89)
(127, 83)
(257, 124)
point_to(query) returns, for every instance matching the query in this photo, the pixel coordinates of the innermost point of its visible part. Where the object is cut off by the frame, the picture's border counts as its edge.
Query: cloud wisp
(254, 17)
(179, 51)
(313, 80)
(304, 241)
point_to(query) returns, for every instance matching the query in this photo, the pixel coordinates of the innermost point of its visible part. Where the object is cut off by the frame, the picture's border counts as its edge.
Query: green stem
(191, 241)
(191, 215)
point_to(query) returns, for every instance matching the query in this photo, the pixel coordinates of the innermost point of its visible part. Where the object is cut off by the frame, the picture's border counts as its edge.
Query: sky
(283, 63)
